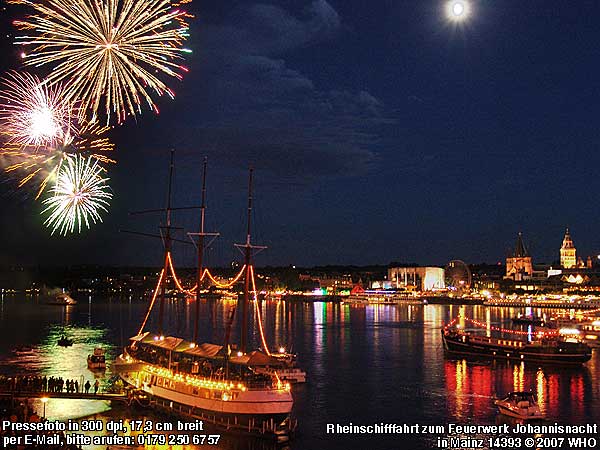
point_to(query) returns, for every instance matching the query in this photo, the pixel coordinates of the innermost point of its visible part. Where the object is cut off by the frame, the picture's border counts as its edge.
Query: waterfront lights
(457, 10)
(281, 349)
(240, 354)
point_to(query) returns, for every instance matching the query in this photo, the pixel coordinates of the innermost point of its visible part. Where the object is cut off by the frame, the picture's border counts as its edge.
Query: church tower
(568, 258)
(519, 263)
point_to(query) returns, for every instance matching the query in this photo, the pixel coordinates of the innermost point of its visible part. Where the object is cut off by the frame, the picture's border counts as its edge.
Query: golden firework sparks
(109, 53)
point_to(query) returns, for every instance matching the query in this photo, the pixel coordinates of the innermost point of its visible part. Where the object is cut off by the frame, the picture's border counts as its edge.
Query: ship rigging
(205, 380)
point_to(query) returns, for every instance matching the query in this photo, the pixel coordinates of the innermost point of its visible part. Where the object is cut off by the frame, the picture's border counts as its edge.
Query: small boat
(282, 365)
(97, 360)
(528, 320)
(65, 342)
(291, 374)
(522, 405)
(590, 332)
(23, 350)
(61, 299)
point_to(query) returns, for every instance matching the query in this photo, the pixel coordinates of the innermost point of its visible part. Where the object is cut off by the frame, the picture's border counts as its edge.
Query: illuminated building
(568, 252)
(518, 265)
(423, 278)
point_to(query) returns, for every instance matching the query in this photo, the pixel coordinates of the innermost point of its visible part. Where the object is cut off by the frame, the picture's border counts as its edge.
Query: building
(422, 278)
(568, 257)
(518, 264)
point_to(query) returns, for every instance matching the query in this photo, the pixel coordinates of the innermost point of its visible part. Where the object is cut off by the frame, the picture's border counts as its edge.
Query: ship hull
(249, 407)
(518, 414)
(456, 345)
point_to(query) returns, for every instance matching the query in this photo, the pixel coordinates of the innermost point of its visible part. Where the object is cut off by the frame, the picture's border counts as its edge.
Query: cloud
(256, 109)
(266, 29)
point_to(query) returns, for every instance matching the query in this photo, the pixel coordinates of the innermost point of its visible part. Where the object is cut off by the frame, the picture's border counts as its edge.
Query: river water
(365, 365)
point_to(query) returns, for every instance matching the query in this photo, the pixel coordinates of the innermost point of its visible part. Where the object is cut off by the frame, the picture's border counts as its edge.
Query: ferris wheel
(458, 275)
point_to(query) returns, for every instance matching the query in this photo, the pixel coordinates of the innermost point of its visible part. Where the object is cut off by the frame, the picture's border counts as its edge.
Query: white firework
(78, 197)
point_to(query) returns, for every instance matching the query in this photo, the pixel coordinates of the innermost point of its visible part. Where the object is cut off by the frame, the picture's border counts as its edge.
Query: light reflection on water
(365, 364)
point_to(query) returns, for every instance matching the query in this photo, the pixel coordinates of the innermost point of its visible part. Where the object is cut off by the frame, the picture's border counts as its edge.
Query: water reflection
(561, 392)
(364, 363)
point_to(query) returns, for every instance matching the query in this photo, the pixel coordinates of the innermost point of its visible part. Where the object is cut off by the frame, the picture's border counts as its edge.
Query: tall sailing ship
(219, 384)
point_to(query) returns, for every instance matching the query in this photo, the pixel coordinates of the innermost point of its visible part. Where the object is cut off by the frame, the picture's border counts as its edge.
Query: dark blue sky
(378, 132)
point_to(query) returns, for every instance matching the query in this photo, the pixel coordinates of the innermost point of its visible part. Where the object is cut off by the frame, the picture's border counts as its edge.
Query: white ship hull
(220, 399)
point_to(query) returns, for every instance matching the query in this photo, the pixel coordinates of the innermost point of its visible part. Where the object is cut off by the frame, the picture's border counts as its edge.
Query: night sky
(378, 131)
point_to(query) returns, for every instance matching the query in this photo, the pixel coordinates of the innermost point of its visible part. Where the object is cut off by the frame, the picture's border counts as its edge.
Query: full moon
(457, 10)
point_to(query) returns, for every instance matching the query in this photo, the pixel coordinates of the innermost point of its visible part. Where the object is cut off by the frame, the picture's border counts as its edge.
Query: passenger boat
(547, 348)
(218, 384)
(381, 297)
(97, 360)
(590, 333)
(522, 319)
(521, 405)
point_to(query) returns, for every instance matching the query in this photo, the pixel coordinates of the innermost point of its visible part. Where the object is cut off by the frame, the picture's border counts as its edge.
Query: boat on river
(60, 299)
(550, 348)
(520, 405)
(522, 319)
(65, 342)
(97, 360)
(220, 384)
(590, 332)
(281, 365)
(23, 350)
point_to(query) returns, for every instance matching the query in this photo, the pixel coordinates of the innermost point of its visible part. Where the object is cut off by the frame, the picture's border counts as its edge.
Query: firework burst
(31, 113)
(109, 53)
(78, 197)
(38, 127)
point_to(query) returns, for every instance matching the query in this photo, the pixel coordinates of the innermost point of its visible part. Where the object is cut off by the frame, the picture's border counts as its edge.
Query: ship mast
(166, 236)
(200, 247)
(247, 251)
(247, 262)
(167, 241)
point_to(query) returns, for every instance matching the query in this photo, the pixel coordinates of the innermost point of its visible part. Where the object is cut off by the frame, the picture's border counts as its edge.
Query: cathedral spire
(520, 249)
(519, 265)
